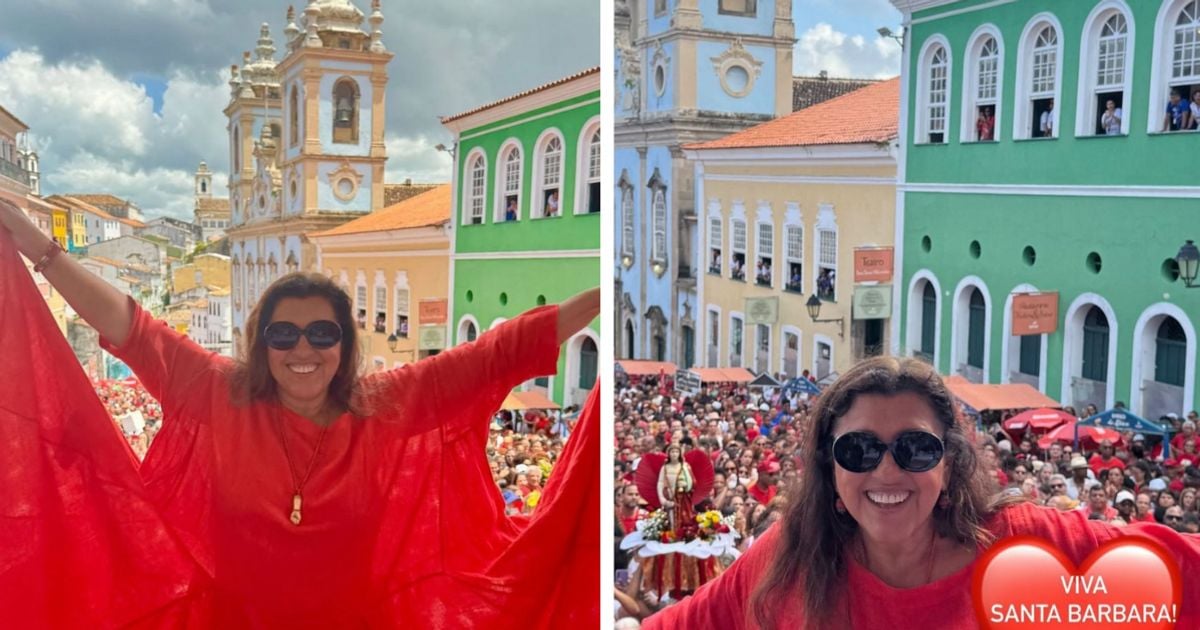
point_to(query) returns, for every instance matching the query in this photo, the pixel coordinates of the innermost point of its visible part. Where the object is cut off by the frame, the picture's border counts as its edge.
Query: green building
(526, 224)
(1016, 177)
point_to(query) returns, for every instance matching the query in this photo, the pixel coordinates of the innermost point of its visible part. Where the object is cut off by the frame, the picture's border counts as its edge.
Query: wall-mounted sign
(1034, 313)
(433, 311)
(873, 264)
(762, 310)
(687, 382)
(432, 338)
(873, 302)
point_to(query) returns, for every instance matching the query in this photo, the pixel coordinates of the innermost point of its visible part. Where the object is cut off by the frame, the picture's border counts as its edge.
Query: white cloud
(416, 158)
(841, 55)
(158, 191)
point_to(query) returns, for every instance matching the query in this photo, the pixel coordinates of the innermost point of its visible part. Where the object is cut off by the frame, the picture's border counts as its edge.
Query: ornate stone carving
(734, 58)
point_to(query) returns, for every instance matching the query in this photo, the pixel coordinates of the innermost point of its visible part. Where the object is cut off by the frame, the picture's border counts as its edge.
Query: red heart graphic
(1023, 582)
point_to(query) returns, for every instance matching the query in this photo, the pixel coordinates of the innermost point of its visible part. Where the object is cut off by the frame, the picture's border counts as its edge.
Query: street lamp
(887, 32)
(452, 149)
(814, 311)
(392, 340)
(1188, 259)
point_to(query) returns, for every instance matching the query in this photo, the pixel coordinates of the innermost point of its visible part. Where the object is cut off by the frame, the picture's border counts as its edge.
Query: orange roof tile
(870, 114)
(213, 203)
(131, 222)
(425, 209)
(97, 199)
(78, 204)
(547, 86)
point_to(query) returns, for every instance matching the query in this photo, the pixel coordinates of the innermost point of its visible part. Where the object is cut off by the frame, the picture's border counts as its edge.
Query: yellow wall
(78, 229)
(215, 271)
(59, 227)
(864, 215)
(428, 277)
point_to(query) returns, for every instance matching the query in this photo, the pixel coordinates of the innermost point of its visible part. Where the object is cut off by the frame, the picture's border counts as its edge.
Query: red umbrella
(1037, 421)
(1089, 437)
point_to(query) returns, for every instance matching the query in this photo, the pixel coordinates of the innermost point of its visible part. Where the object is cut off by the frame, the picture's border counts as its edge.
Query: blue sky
(840, 36)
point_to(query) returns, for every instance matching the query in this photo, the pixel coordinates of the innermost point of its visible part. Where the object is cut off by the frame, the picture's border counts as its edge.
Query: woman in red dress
(307, 495)
(889, 519)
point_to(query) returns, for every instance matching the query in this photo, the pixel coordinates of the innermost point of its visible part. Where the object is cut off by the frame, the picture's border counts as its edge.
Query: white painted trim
(574, 348)
(1073, 346)
(770, 345)
(915, 304)
(783, 333)
(529, 119)
(806, 179)
(329, 257)
(1160, 192)
(460, 336)
(557, 94)
(582, 163)
(558, 253)
(1144, 354)
(495, 322)
(738, 315)
(960, 325)
(1086, 113)
(465, 219)
(1011, 343)
(498, 190)
(970, 89)
(432, 234)
(817, 340)
(538, 184)
(631, 322)
(1160, 65)
(923, 62)
(1023, 110)
(918, 5)
(713, 308)
(867, 154)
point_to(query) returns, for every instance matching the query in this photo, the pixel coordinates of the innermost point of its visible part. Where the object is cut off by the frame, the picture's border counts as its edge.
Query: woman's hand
(30, 241)
(577, 312)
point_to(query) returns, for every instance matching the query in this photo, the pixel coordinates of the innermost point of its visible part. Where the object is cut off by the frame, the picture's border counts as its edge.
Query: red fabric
(1099, 464)
(402, 523)
(945, 603)
(763, 496)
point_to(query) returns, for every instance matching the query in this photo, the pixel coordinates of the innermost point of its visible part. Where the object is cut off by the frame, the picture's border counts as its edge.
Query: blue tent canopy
(801, 386)
(1124, 420)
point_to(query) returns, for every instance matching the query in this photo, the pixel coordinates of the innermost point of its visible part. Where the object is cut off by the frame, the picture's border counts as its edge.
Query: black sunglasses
(914, 451)
(1173, 518)
(322, 335)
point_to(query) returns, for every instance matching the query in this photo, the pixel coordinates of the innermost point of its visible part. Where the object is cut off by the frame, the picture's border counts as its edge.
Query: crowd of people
(754, 438)
(125, 398)
(522, 450)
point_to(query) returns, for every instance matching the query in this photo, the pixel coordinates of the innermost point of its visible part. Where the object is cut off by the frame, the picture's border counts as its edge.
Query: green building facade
(1073, 198)
(526, 223)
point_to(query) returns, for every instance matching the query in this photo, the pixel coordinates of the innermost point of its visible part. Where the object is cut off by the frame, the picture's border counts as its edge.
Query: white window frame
(588, 163)
(537, 208)
(379, 282)
(768, 251)
(468, 194)
(1087, 114)
(659, 224)
(506, 149)
(400, 288)
(741, 319)
(710, 310)
(826, 223)
(924, 78)
(734, 223)
(361, 298)
(1162, 65)
(971, 99)
(1023, 110)
(628, 201)
(788, 259)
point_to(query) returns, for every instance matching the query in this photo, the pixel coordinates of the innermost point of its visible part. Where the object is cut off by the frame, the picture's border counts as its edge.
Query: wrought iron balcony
(14, 172)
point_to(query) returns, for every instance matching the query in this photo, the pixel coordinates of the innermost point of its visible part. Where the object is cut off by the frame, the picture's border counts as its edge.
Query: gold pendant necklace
(297, 499)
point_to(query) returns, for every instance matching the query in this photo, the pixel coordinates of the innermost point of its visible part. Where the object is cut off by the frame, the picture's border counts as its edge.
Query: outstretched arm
(576, 312)
(99, 303)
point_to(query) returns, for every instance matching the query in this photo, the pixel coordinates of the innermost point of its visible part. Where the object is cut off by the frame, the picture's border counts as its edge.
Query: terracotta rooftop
(395, 193)
(213, 203)
(809, 91)
(79, 204)
(131, 222)
(870, 114)
(429, 208)
(15, 119)
(540, 88)
(98, 199)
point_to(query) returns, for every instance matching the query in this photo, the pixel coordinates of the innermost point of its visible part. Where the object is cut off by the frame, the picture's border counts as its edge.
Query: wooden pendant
(296, 509)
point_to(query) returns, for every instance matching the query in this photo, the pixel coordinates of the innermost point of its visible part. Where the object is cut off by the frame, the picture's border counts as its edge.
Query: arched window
(589, 360)
(508, 183)
(1095, 345)
(1104, 75)
(629, 340)
(345, 111)
(737, 247)
(477, 175)
(627, 225)
(934, 91)
(976, 329)
(294, 117)
(764, 267)
(982, 87)
(714, 245)
(472, 333)
(589, 194)
(1185, 57)
(1170, 353)
(550, 175)
(1038, 69)
(929, 305)
(658, 250)
(237, 150)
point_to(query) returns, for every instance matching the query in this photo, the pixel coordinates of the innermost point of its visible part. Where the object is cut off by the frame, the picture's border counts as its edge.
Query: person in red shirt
(892, 517)
(628, 510)
(1105, 458)
(1187, 433)
(1097, 507)
(767, 485)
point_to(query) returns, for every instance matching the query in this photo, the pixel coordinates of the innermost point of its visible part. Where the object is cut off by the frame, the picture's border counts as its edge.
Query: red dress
(402, 524)
(945, 603)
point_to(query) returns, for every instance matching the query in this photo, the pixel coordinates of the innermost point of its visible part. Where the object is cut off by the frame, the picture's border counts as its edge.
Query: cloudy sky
(128, 99)
(840, 36)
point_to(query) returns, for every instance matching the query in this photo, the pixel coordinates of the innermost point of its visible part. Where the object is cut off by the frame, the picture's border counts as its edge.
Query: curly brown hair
(252, 380)
(814, 534)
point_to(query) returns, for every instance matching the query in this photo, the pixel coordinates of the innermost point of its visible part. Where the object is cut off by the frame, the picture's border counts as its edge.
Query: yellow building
(60, 233)
(395, 264)
(785, 209)
(209, 270)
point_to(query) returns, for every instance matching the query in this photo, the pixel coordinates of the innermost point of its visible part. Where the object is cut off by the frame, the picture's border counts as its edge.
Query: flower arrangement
(711, 523)
(706, 527)
(657, 526)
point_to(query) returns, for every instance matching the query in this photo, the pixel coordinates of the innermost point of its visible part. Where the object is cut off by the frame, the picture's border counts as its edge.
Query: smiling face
(302, 374)
(891, 505)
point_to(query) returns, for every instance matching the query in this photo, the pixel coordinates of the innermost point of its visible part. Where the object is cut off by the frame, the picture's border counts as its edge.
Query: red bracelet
(51, 252)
